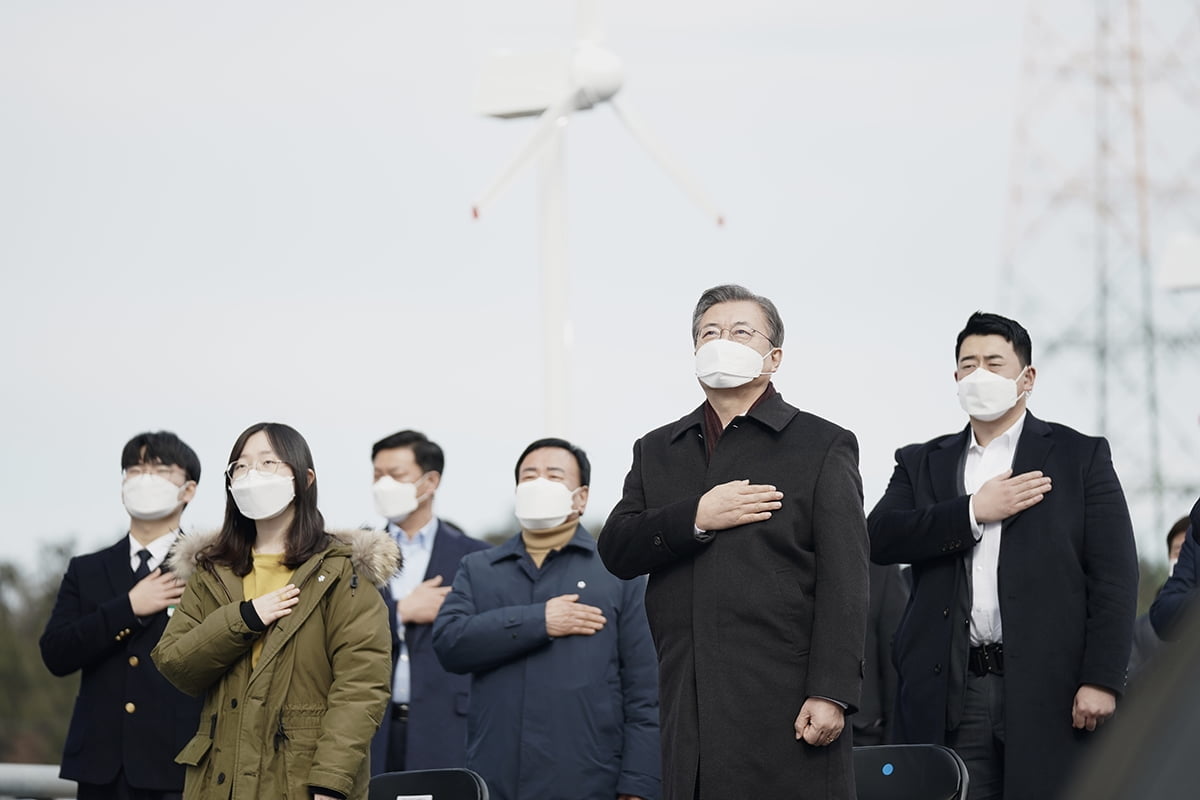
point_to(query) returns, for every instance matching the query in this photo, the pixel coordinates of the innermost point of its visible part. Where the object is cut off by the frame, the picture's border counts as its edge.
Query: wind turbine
(552, 86)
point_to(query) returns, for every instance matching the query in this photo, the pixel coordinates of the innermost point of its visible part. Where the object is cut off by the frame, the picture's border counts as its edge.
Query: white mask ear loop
(1017, 381)
(767, 355)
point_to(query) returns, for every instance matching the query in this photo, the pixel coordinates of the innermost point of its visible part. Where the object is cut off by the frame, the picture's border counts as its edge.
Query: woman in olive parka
(283, 630)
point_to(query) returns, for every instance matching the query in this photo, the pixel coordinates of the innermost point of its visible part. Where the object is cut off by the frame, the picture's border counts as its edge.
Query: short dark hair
(427, 454)
(983, 324)
(1181, 526)
(731, 292)
(585, 466)
(307, 536)
(161, 447)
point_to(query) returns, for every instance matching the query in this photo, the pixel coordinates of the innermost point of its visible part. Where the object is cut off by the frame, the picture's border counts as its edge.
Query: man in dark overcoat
(747, 515)
(1014, 645)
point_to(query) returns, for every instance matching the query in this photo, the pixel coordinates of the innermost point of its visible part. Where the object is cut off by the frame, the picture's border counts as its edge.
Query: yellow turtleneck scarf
(539, 543)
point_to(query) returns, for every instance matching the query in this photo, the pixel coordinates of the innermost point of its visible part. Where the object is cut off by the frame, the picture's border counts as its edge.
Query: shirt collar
(423, 539)
(1010, 436)
(158, 548)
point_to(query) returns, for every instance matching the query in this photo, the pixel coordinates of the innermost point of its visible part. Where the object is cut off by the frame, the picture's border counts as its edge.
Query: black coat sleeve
(1110, 558)
(905, 532)
(84, 627)
(637, 540)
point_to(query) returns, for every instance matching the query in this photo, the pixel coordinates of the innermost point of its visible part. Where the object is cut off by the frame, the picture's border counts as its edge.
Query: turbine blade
(589, 22)
(552, 117)
(684, 179)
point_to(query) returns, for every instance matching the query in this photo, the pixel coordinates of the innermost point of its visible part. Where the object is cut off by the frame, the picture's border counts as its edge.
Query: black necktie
(143, 568)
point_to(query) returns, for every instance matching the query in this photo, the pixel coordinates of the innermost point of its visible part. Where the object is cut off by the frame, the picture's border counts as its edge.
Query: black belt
(986, 658)
(400, 712)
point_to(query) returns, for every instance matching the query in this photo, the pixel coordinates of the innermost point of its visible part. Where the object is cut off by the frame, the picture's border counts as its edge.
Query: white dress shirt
(415, 553)
(158, 550)
(983, 464)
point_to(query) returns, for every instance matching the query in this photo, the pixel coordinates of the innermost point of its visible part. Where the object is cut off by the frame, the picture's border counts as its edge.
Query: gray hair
(731, 292)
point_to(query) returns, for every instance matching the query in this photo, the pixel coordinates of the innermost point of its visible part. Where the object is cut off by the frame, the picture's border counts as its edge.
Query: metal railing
(35, 782)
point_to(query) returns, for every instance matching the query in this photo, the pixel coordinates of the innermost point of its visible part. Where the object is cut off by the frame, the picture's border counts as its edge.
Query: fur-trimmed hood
(374, 554)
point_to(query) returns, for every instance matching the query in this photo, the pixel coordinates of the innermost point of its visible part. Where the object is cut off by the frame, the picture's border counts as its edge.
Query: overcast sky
(215, 214)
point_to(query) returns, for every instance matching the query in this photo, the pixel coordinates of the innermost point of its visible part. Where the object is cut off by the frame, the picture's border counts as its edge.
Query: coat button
(945, 613)
(133, 661)
(130, 708)
(233, 703)
(657, 540)
(937, 669)
(221, 778)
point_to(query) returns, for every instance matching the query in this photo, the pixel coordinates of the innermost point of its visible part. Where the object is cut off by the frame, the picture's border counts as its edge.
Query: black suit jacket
(127, 716)
(1068, 592)
(437, 715)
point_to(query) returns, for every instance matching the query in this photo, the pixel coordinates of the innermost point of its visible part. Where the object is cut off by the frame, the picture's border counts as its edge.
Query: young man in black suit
(1014, 644)
(112, 607)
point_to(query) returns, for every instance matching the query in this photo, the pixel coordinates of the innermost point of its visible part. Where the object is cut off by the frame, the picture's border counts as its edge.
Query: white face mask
(542, 504)
(1171, 562)
(725, 364)
(987, 396)
(396, 499)
(262, 496)
(150, 497)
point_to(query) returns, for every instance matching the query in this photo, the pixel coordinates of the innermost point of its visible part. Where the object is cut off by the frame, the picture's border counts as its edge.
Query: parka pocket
(298, 730)
(298, 750)
(193, 752)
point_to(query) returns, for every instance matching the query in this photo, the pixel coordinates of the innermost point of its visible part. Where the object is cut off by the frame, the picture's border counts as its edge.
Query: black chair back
(909, 772)
(435, 784)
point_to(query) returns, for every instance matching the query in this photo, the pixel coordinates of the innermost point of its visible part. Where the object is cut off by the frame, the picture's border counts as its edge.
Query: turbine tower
(552, 86)
(1100, 246)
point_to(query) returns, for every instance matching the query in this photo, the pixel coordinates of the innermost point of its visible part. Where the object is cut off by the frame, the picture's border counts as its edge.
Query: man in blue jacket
(564, 699)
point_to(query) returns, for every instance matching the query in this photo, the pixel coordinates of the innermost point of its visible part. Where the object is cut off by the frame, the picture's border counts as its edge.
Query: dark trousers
(120, 789)
(397, 738)
(979, 739)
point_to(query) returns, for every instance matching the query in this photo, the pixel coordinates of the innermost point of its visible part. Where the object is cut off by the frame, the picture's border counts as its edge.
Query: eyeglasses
(161, 470)
(238, 469)
(742, 334)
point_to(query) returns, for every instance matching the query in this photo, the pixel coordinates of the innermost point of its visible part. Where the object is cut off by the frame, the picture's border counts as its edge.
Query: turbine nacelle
(596, 73)
(552, 85)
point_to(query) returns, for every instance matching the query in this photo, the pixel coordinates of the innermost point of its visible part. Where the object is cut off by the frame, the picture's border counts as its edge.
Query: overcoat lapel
(687, 443)
(1033, 449)
(944, 466)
